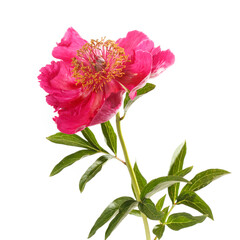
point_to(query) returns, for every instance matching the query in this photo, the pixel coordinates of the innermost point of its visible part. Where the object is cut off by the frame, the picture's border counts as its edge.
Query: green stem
(170, 211)
(132, 174)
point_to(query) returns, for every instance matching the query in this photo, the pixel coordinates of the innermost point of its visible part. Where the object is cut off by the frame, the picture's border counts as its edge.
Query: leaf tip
(106, 236)
(81, 188)
(210, 215)
(89, 235)
(52, 174)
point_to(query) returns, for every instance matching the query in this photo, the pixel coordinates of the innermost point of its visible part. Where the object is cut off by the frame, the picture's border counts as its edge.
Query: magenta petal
(68, 46)
(161, 61)
(131, 41)
(146, 45)
(95, 108)
(111, 104)
(74, 119)
(56, 79)
(55, 76)
(137, 73)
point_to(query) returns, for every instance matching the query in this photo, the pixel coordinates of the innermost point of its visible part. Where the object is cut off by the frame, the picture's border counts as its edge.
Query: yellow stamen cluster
(97, 63)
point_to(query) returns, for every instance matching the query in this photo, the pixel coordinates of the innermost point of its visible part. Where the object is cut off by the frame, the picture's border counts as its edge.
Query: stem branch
(120, 160)
(132, 174)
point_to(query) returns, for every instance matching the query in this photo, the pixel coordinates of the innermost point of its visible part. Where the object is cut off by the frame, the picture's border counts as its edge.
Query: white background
(197, 99)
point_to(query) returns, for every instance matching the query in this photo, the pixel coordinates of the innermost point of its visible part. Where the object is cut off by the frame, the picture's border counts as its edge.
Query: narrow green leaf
(70, 139)
(184, 172)
(149, 209)
(176, 166)
(140, 92)
(178, 221)
(202, 179)
(88, 134)
(173, 190)
(177, 159)
(142, 182)
(108, 213)
(158, 184)
(160, 203)
(165, 212)
(70, 159)
(136, 213)
(192, 200)
(158, 230)
(124, 210)
(110, 136)
(93, 170)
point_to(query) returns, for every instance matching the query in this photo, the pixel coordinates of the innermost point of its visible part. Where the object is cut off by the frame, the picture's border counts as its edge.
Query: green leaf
(158, 230)
(202, 179)
(88, 134)
(149, 209)
(177, 159)
(108, 213)
(136, 213)
(70, 139)
(160, 203)
(142, 182)
(124, 210)
(93, 170)
(178, 221)
(184, 172)
(158, 184)
(165, 212)
(70, 159)
(191, 199)
(176, 166)
(140, 92)
(110, 136)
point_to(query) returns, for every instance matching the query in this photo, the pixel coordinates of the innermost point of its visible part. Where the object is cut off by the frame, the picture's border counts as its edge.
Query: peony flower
(86, 86)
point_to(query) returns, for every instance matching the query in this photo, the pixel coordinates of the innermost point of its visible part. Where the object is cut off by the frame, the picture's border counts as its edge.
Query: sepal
(140, 92)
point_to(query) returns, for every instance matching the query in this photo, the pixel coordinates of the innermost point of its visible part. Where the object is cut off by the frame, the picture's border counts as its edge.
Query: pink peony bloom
(86, 86)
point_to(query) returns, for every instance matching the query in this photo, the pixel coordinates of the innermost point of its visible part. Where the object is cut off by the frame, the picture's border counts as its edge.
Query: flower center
(97, 63)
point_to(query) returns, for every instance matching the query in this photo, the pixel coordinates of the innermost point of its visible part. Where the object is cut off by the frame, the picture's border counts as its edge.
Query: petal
(68, 46)
(111, 104)
(56, 80)
(131, 41)
(74, 119)
(146, 45)
(137, 73)
(56, 76)
(161, 61)
(95, 108)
